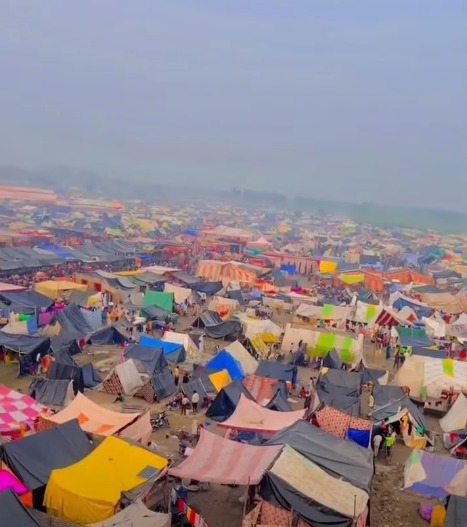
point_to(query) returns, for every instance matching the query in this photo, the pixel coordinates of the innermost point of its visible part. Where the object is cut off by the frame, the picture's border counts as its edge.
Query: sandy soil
(220, 505)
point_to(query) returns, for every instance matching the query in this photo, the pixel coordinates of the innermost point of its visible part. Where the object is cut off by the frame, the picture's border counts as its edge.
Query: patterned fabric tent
(16, 409)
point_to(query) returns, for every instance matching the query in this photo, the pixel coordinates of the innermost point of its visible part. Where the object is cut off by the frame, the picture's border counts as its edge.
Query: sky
(361, 101)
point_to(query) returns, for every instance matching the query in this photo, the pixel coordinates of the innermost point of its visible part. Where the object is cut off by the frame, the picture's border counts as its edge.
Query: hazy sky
(354, 100)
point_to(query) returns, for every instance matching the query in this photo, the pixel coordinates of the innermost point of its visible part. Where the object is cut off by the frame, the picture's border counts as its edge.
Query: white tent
(456, 418)
(243, 356)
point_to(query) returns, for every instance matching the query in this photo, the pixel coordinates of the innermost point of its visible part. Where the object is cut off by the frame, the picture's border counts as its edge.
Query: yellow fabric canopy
(351, 279)
(327, 267)
(88, 491)
(220, 379)
(55, 288)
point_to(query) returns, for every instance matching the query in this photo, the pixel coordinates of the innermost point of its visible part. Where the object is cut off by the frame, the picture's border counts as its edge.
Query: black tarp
(456, 512)
(49, 392)
(26, 302)
(156, 313)
(279, 403)
(325, 385)
(298, 358)
(67, 372)
(187, 279)
(80, 298)
(332, 361)
(107, 336)
(64, 342)
(33, 458)
(63, 357)
(384, 395)
(276, 491)
(193, 386)
(25, 344)
(343, 379)
(91, 377)
(226, 401)
(338, 457)
(203, 376)
(373, 376)
(237, 295)
(340, 401)
(277, 370)
(152, 359)
(215, 327)
(72, 321)
(391, 409)
(208, 288)
(430, 352)
(163, 384)
(13, 512)
(177, 356)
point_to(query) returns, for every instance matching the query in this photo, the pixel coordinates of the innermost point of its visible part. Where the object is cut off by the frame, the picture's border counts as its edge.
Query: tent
(410, 337)
(136, 515)
(456, 512)
(183, 339)
(90, 490)
(224, 361)
(173, 352)
(215, 327)
(277, 370)
(263, 389)
(72, 321)
(342, 425)
(125, 379)
(435, 476)
(160, 386)
(91, 377)
(295, 482)
(249, 415)
(67, 372)
(33, 458)
(92, 418)
(16, 409)
(53, 393)
(424, 375)
(338, 457)
(220, 380)
(225, 402)
(456, 418)
(107, 336)
(164, 301)
(58, 288)
(152, 358)
(180, 294)
(248, 363)
(219, 460)
(279, 402)
(26, 302)
(14, 513)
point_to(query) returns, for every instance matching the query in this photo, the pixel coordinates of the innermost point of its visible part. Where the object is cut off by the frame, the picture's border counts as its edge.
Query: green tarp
(158, 299)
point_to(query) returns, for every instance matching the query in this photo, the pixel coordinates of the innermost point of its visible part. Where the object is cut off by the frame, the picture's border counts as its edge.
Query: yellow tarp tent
(220, 379)
(351, 279)
(56, 288)
(88, 491)
(268, 338)
(326, 267)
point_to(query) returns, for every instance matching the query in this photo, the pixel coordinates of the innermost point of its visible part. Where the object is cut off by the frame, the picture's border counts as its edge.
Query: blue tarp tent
(224, 361)
(173, 353)
(413, 337)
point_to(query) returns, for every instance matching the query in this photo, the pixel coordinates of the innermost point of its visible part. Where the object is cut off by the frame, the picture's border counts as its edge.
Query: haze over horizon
(352, 101)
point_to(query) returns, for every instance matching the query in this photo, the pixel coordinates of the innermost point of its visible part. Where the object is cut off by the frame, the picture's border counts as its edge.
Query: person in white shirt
(195, 401)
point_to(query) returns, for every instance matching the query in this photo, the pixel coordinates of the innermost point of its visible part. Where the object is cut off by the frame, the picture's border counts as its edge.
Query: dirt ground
(220, 505)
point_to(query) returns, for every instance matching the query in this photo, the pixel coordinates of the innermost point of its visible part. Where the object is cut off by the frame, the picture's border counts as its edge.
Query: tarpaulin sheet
(249, 415)
(51, 392)
(31, 301)
(456, 512)
(410, 337)
(219, 460)
(33, 458)
(224, 361)
(16, 408)
(163, 384)
(225, 402)
(277, 370)
(14, 513)
(337, 457)
(152, 358)
(24, 343)
(155, 298)
(98, 480)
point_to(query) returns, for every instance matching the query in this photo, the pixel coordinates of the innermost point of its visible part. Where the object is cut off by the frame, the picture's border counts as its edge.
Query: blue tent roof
(174, 353)
(224, 361)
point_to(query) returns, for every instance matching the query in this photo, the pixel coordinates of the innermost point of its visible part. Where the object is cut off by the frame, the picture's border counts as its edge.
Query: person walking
(195, 401)
(184, 405)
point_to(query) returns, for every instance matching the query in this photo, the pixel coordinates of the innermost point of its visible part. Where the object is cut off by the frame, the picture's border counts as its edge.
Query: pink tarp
(9, 481)
(219, 460)
(251, 416)
(16, 409)
(261, 388)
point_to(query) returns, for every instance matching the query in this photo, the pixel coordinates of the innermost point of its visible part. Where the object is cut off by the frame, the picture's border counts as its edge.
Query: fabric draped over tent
(249, 415)
(219, 460)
